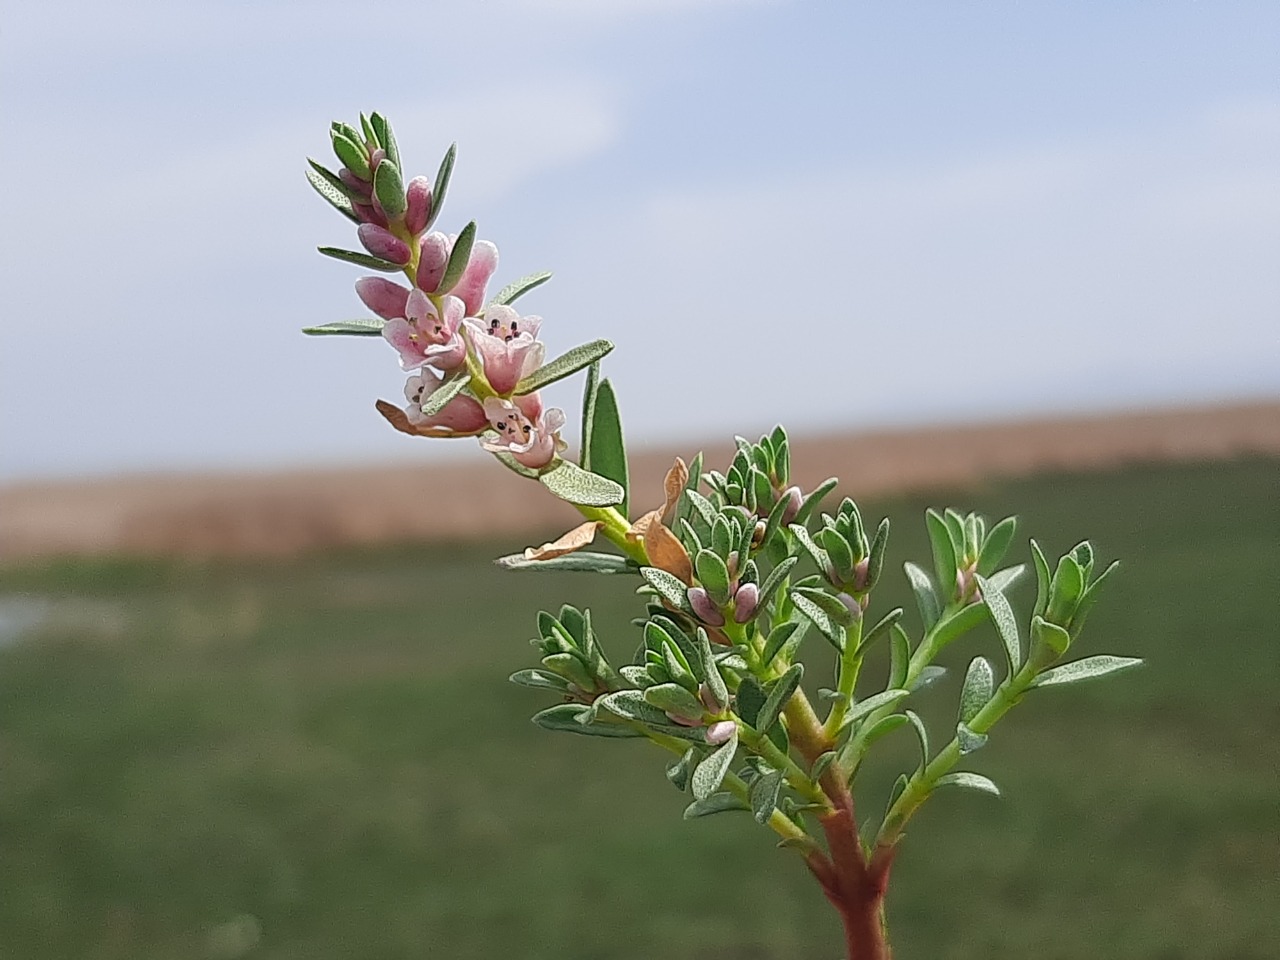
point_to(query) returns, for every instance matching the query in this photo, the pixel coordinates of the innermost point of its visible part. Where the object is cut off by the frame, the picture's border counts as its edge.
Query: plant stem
(615, 526)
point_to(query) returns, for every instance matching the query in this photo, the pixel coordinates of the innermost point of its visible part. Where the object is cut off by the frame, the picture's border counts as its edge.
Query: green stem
(850, 665)
(798, 779)
(615, 526)
(923, 781)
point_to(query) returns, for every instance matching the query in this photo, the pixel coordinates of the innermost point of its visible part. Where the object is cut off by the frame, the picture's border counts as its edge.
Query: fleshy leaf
(458, 257)
(581, 487)
(441, 187)
(779, 694)
(604, 451)
(709, 774)
(996, 545)
(348, 328)
(564, 365)
(886, 698)
(437, 401)
(716, 803)
(335, 197)
(1006, 623)
(568, 718)
(974, 781)
(979, 685)
(764, 795)
(518, 288)
(668, 586)
(926, 599)
(1086, 669)
(361, 259)
(582, 561)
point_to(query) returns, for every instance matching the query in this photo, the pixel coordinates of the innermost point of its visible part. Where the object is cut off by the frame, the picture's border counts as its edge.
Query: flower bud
(745, 602)
(851, 603)
(383, 243)
(433, 257)
(704, 609)
(860, 573)
(363, 187)
(709, 699)
(418, 205)
(794, 500)
(369, 214)
(721, 731)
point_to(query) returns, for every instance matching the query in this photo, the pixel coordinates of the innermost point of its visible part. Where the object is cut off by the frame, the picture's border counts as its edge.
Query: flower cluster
(466, 357)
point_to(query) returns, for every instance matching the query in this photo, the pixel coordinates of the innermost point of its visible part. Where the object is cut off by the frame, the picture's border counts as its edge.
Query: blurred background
(1019, 258)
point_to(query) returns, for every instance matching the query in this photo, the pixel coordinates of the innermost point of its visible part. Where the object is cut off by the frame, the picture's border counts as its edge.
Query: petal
(419, 307)
(446, 356)
(452, 312)
(417, 204)
(480, 267)
(462, 414)
(531, 325)
(400, 334)
(433, 257)
(553, 421)
(383, 297)
(530, 405)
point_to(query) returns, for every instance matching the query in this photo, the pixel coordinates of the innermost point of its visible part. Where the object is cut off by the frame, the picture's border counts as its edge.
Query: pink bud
(417, 205)
(721, 731)
(362, 187)
(745, 602)
(708, 699)
(704, 609)
(860, 573)
(388, 300)
(852, 604)
(383, 243)
(794, 499)
(433, 257)
(376, 156)
(369, 214)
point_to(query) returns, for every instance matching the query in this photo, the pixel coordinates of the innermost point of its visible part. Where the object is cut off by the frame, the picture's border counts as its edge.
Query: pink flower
(425, 335)
(506, 345)
(461, 415)
(533, 444)
(433, 256)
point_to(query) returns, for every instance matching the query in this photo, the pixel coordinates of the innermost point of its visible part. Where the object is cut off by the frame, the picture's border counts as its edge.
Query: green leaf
(351, 154)
(899, 656)
(347, 328)
(944, 552)
(332, 179)
(713, 575)
(875, 559)
(1086, 669)
(631, 705)
(863, 708)
(775, 578)
(979, 685)
(973, 781)
(1089, 598)
(1055, 637)
(673, 698)
(810, 503)
(442, 183)
(1064, 590)
(750, 701)
(818, 617)
(563, 366)
(1042, 579)
(518, 288)
(370, 135)
(927, 677)
(541, 680)
(779, 694)
(679, 771)
(669, 587)
(709, 774)
(1006, 623)
(603, 449)
(361, 259)
(883, 726)
(764, 795)
(388, 187)
(382, 128)
(569, 717)
(574, 485)
(582, 561)
(957, 624)
(716, 803)
(996, 545)
(572, 667)
(926, 599)
(821, 764)
(922, 735)
(458, 258)
(816, 553)
(589, 390)
(437, 400)
(778, 638)
(969, 741)
(1006, 578)
(710, 672)
(882, 627)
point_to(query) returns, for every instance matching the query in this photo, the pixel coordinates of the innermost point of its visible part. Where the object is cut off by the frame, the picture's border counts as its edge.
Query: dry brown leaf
(575, 539)
(666, 552)
(676, 480)
(637, 530)
(400, 420)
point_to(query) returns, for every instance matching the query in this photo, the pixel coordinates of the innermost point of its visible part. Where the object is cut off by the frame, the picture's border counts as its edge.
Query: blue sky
(834, 214)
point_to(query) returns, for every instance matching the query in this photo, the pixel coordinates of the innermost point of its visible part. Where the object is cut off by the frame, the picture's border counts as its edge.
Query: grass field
(323, 759)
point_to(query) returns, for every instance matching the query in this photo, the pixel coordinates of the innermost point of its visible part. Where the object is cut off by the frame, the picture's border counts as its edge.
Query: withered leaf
(575, 539)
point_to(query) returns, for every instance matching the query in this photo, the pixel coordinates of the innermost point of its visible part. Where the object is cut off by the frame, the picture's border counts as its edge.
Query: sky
(837, 215)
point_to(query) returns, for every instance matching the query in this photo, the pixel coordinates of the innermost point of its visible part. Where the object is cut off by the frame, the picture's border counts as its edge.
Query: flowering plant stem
(737, 570)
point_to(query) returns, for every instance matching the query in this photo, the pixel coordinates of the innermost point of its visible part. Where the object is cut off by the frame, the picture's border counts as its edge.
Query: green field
(323, 759)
